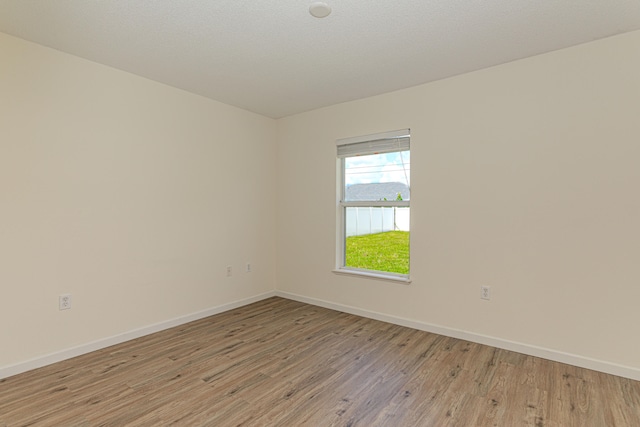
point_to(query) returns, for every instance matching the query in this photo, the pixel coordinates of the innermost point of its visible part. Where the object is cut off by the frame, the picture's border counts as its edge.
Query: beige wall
(128, 194)
(134, 196)
(525, 177)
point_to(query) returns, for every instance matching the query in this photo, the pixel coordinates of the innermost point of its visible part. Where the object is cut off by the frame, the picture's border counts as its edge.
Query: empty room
(289, 213)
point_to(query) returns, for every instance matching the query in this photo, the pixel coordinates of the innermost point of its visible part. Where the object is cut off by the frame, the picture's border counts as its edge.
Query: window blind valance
(386, 142)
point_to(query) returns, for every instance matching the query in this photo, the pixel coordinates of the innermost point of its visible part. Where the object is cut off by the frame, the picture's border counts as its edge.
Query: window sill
(371, 275)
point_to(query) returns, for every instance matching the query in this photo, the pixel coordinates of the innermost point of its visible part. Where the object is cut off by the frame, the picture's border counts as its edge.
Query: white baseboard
(545, 353)
(531, 350)
(38, 362)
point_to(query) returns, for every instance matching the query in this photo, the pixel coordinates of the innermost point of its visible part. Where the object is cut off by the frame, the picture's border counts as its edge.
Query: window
(374, 205)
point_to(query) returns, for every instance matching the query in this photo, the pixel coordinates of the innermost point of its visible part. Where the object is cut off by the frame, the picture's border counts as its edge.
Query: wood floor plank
(283, 363)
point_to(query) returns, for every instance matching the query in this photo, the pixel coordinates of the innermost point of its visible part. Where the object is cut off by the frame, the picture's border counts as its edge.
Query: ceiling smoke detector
(319, 9)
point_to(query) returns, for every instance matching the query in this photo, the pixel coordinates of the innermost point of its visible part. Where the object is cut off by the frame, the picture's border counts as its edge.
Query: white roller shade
(387, 142)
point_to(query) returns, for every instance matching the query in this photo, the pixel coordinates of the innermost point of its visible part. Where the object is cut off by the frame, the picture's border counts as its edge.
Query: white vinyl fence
(370, 220)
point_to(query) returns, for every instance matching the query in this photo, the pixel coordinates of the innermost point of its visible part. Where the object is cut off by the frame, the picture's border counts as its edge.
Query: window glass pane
(375, 172)
(377, 238)
(377, 177)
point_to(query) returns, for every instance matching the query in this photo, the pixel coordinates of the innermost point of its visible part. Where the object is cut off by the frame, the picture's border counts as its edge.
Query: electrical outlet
(485, 292)
(229, 271)
(248, 267)
(64, 302)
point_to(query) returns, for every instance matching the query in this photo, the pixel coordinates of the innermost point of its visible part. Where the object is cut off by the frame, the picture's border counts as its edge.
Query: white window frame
(387, 142)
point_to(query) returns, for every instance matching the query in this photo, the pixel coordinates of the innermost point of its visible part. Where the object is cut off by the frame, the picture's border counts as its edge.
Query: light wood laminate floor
(284, 363)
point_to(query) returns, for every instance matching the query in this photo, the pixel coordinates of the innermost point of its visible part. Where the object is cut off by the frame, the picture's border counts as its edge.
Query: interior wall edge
(59, 356)
(518, 347)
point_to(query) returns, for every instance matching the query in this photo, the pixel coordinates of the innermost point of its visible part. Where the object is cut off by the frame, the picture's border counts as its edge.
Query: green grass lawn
(382, 252)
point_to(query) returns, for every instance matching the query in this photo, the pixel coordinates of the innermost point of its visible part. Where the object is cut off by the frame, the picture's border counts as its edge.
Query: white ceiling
(272, 57)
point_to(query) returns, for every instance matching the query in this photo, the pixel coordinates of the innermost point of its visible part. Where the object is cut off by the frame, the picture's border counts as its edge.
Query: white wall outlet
(229, 271)
(64, 302)
(248, 267)
(485, 292)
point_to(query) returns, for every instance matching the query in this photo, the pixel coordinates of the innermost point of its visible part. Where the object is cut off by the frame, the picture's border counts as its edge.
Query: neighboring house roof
(377, 191)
